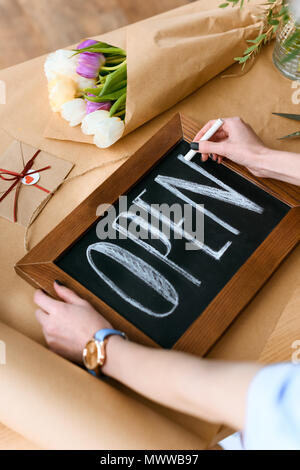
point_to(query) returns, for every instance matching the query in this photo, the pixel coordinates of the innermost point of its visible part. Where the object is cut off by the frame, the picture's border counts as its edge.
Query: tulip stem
(114, 60)
(110, 69)
(94, 91)
(102, 79)
(120, 113)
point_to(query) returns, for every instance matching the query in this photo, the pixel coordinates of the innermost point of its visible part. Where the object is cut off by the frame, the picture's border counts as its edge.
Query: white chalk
(215, 127)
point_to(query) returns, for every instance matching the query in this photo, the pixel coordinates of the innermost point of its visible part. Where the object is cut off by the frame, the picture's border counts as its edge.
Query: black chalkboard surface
(163, 288)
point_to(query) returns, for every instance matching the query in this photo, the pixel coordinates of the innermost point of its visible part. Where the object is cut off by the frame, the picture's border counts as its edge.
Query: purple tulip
(87, 43)
(91, 106)
(89, 63)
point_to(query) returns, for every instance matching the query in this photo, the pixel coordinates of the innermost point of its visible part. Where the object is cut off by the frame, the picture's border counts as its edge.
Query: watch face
(91, 355)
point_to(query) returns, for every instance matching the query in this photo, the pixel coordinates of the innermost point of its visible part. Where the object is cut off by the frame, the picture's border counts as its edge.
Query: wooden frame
(39, 268)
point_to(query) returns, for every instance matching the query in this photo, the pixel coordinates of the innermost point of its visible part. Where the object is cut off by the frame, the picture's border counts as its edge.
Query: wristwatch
(94, 353)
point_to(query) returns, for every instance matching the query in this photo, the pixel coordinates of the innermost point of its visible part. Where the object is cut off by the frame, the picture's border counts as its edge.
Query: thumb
(67, 294)
(218, 148)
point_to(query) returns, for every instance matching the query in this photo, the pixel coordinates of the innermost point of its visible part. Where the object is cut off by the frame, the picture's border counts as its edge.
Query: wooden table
(29, 28)
(10, 440)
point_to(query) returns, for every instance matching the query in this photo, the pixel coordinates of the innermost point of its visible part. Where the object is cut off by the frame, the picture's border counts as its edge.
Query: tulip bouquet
(111, 93)
(88, 86)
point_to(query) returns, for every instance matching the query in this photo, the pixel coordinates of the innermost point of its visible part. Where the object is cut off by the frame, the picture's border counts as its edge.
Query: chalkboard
(238, 217)
(155, 289)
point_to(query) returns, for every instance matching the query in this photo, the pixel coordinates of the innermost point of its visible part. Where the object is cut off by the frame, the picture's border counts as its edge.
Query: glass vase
(291, 68)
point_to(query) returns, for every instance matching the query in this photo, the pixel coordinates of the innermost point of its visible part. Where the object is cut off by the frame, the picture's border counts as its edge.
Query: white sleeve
(273, 409)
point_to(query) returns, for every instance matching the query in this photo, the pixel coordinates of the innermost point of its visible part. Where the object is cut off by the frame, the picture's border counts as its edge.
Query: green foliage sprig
(276, 14)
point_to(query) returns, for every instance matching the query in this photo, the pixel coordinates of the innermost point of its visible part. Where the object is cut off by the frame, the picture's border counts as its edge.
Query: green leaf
(118, 104)
(113, 80)
(242, 60)
(292, 39)
(121, 115)
(250, 49)
(290, 56)
(92, 91)
(109, 97)
(273, 22)
(224, 5)
(102, 47)
(260, 38)
(119, 85)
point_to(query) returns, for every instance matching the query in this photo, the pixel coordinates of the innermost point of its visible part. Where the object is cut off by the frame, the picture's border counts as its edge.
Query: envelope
(31, 196)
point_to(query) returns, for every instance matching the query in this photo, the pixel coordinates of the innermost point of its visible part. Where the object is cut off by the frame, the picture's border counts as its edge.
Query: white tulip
(74, 111)
(91, 121)
(61, 90)
(84, 83)
(60, 62)
(64, 63)
(108, 132)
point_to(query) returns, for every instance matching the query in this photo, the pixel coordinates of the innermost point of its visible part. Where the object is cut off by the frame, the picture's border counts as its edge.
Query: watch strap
(101, 335)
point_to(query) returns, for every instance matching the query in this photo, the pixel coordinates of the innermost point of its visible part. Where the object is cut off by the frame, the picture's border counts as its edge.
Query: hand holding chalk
(215, 127)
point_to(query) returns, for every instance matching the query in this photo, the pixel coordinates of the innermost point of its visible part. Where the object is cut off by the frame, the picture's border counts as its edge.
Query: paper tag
(30, 180)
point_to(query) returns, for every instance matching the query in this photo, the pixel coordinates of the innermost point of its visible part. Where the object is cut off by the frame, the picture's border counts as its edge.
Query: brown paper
(31, 199)
(58, 405)
(171, 57)
(254, 96)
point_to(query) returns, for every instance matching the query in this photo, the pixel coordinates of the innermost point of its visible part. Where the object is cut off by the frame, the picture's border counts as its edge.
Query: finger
(205, 157)
(45, 302)
(48, 339)
(220, 159)
(41, 316)
(231, 123)
(218, 138)
(219, 135)
(218, 148)
(204, 130)
(67, 294)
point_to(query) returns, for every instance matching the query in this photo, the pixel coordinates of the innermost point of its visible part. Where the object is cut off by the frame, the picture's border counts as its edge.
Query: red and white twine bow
(16, 178)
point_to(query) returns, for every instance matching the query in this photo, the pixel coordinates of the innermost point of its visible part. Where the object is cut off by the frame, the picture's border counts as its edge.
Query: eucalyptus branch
(275, 14)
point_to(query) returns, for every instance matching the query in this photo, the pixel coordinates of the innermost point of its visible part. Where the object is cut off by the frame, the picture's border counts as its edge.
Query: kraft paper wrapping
(171, 58)
(254, 96)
